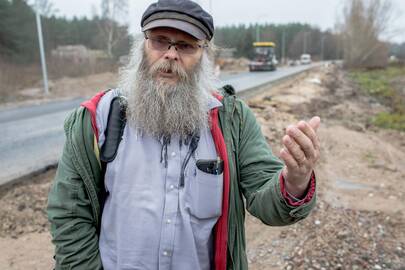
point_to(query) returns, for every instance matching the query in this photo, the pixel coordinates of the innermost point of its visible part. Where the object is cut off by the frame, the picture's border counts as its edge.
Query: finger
(315, 122)
(303, 141)
(288, 159)
(310, 133)
(294, 149)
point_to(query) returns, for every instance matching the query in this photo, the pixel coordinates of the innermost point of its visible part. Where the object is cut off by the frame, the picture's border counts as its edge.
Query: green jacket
(76, 196)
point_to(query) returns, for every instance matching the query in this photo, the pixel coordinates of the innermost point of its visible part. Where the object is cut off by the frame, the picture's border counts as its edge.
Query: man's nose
(172, 54)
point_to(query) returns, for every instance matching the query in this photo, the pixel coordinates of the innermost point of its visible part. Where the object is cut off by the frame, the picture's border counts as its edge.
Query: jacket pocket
(206, 195)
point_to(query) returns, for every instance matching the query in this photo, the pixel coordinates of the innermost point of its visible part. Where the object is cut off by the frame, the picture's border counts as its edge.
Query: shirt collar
(213, 102)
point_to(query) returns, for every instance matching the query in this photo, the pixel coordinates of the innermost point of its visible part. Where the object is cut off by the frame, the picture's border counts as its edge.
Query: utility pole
(338, 48)
(258, 25)
(257, 32)
(305, 43)
(41, 49)
(283, 48)
(323, 47)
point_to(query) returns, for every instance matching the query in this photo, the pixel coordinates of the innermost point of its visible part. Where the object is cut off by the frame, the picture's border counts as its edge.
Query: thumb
(315, 122)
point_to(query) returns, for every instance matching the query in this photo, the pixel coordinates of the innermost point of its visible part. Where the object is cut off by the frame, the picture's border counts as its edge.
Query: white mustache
(169, 66)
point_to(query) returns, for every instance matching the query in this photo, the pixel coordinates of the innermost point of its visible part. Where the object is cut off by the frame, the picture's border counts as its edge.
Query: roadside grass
(390, 120)
(15, 77)
(381, 84)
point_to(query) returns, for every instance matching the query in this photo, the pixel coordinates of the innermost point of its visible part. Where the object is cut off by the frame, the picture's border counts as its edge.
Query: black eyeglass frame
(174, 44)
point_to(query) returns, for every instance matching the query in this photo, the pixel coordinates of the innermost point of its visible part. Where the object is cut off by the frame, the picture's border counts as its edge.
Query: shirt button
(173, 154)
(168, 221)
(171, 186)
(166, 253)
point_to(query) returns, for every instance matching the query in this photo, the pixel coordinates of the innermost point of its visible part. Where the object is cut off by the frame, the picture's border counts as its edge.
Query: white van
(305, 59)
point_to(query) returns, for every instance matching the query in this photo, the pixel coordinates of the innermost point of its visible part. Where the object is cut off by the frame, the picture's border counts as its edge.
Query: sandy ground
(359, 221)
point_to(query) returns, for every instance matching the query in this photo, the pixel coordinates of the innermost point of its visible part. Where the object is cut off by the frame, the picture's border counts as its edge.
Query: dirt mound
(359, 220)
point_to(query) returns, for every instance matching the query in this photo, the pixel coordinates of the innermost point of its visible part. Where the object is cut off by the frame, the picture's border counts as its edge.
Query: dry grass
(16, 77)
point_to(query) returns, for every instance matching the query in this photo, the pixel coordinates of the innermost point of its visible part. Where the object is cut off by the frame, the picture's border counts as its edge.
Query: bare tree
(113, 13)
(365, 22)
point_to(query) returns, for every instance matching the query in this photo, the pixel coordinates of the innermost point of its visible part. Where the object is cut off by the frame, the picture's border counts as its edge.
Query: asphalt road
(32, 137)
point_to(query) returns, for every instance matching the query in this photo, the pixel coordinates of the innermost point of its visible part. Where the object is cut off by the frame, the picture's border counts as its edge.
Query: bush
(390, 120)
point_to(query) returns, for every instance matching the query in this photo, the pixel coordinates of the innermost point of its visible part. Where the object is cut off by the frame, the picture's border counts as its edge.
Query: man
(171, 194)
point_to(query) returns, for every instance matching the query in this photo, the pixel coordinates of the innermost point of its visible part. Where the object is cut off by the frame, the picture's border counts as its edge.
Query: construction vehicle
(264, 57)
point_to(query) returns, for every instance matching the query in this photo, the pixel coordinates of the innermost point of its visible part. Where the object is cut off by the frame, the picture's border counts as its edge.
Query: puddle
(343, 184)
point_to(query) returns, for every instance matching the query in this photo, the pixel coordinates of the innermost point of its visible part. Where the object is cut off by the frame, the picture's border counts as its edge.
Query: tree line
(291, 40)
(19, 42)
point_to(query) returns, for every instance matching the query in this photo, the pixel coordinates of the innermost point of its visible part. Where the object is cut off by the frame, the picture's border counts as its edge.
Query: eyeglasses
(163, 45)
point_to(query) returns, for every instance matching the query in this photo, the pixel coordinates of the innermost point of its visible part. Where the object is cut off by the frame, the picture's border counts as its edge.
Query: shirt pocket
(206, 194)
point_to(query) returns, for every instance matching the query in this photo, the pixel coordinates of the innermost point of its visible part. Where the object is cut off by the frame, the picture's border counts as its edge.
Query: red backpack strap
(91, 106)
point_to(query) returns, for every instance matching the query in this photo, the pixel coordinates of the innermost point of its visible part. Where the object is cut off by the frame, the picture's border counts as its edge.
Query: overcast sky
(322, 13)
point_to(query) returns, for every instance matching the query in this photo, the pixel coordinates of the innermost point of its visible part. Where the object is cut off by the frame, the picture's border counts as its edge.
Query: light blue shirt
(149, 221)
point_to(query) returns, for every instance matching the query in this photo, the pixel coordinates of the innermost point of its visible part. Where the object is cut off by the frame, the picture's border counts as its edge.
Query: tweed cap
(184, 15)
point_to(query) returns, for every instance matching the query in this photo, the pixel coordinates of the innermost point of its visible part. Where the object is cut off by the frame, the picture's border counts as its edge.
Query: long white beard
(160, 109)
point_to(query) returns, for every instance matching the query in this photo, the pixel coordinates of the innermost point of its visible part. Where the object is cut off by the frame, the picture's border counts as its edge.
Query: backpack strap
(116, 122)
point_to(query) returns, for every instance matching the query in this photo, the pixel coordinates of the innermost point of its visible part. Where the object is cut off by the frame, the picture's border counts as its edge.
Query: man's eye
(162, 41)
(185, 46)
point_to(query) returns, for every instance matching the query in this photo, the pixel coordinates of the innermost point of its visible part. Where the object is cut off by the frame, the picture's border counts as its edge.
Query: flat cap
(184, 15)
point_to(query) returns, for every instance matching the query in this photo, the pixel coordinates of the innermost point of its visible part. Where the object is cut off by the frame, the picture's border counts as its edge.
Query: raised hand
(300, 154)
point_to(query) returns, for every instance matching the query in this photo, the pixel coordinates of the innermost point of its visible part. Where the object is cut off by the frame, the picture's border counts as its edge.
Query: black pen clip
(211, 166)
